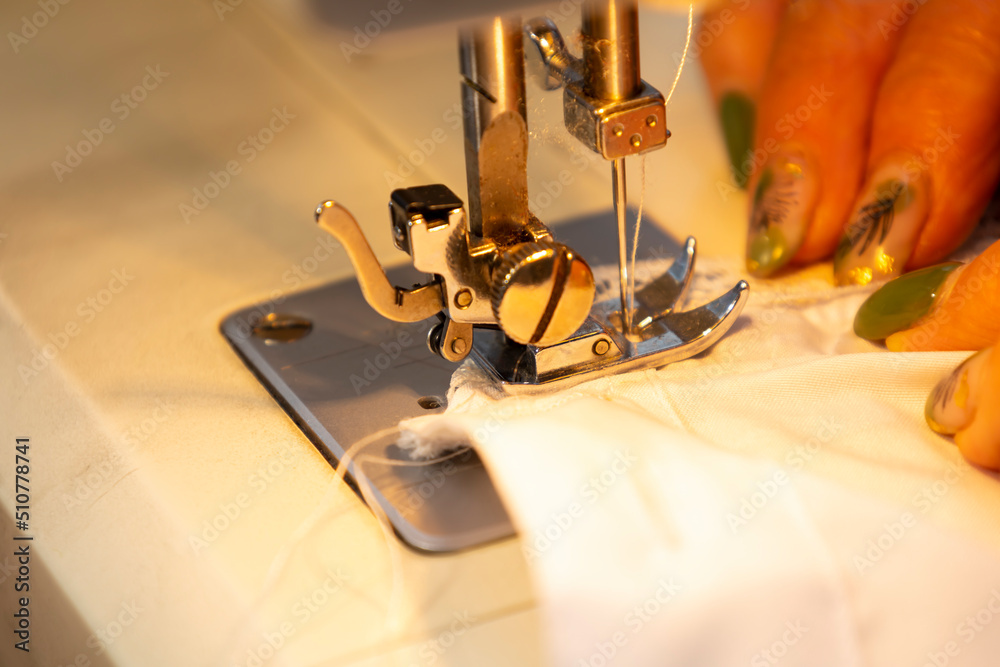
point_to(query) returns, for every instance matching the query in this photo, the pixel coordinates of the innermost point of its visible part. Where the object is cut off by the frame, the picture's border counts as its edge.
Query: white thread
(642, 162)
(635, 238)
(687, 45)
(280, 562)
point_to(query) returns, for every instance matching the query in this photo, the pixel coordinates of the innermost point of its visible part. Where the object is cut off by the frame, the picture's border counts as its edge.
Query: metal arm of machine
(393, 303)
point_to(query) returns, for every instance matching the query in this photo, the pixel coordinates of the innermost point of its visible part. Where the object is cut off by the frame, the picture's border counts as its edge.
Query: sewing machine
(503, 288)
(172, 498)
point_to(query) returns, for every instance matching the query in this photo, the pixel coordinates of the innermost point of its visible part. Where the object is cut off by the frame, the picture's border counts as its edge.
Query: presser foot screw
(601, 347)
(458, 346)
(276, 328)
(463, 299)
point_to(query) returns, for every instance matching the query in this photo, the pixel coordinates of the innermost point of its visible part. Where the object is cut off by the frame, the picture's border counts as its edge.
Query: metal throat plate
(355, 373)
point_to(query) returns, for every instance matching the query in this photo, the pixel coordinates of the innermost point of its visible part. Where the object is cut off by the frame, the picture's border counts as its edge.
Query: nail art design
(874, 220)
(901, 303)
(782, 208)
(951, 405)
(884, 228)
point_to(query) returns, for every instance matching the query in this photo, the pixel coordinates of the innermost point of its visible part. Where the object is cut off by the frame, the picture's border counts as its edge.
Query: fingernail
(884, 227)
(738, 114)
(900, 303)
(952, 404)
(782, 208)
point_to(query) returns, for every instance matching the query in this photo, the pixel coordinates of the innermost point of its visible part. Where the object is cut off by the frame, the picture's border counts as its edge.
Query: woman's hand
(864, 129)
(949, 307)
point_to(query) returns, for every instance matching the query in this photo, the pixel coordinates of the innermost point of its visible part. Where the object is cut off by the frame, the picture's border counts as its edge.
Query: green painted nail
(767, 252)
(738, 115)
(899, 303)
(782, 206)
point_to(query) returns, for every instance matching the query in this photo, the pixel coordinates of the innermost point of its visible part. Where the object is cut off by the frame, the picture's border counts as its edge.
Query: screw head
(651, 120)
(601, 347)
(463, 299)
(635, 140)
(458, 346)
(276, 328)
(542, 294)
(618, 129)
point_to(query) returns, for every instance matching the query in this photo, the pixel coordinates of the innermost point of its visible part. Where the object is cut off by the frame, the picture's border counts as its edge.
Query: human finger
(935, 152)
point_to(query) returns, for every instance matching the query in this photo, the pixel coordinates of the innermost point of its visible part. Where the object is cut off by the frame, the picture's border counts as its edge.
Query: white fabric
(778, 499)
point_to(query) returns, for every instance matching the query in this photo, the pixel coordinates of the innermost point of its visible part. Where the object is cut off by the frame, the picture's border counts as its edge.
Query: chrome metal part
(617, 129)
(663, 295)
(501, 288)
(536, 290)
(610, 30)
(606, 105)
(450, 340)
(542, 292)
(662, 337)
(558, 65)
(394, 303)
(356, 374)
(277, 328)
(491, 57)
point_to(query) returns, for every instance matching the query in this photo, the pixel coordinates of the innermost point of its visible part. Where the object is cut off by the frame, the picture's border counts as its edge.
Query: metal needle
(619, 196)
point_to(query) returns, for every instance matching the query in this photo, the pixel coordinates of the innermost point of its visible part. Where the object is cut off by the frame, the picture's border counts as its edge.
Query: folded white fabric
(778, 499)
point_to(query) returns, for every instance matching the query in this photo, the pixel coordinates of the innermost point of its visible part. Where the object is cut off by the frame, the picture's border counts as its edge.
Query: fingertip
(979, 449)
(938, 103)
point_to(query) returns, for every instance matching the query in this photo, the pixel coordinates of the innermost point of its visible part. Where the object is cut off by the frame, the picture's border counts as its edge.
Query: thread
(642, 163)
(322, 513)
(684, 55)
